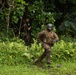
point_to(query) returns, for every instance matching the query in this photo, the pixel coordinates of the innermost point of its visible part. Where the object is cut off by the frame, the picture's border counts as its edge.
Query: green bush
(64, 50)
(11, 53)
(14, 51)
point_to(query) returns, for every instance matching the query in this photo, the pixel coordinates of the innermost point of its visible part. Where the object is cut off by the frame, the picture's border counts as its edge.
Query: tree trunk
(10, 4)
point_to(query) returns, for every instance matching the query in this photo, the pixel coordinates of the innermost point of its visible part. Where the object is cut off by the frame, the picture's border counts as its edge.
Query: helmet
(49, 26)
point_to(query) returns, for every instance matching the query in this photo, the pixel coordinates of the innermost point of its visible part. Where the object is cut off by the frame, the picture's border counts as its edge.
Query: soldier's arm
(29, 28)
(40, 36)
(56, 37)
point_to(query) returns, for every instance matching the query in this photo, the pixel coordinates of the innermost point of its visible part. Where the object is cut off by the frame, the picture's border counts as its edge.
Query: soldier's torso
(48, 36)
(26, 26)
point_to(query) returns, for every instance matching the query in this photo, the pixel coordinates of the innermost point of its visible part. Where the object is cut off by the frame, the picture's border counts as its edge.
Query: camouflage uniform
(27, 29)
(48, 38)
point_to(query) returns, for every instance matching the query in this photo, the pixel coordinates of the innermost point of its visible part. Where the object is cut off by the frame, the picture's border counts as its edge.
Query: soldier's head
(49, 26)
(27, 20)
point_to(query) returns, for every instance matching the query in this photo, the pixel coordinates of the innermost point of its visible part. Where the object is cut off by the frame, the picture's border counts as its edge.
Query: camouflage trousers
(46, 53)
(28, 39)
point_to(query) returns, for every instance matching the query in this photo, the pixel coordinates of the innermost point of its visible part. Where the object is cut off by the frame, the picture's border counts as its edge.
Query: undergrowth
(14, 51)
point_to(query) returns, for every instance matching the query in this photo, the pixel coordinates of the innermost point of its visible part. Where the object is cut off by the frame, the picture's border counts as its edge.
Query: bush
(14, 51)
(11, 53)
(63, 50)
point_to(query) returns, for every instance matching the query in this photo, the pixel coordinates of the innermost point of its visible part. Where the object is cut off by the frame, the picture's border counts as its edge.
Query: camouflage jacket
(46, 36)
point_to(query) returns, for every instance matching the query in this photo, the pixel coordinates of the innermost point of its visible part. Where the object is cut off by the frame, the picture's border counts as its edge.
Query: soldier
(27, 29)
(47, 38)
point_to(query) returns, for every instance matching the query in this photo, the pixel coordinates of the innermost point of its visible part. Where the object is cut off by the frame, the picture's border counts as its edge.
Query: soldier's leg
(41, 57)
(48, 51)
(28, 39)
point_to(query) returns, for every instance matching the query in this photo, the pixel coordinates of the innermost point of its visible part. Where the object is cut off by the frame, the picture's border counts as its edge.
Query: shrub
(64, 51)
(13, 52)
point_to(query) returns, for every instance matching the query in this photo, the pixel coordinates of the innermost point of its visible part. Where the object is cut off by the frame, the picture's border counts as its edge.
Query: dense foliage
(62, 13)
(14, 52)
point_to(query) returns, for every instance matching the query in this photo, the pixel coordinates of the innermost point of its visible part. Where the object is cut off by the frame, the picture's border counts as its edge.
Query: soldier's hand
(54, 41)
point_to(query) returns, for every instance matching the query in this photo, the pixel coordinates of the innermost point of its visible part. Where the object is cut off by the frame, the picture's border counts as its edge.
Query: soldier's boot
(41, 57)
(48, 56)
